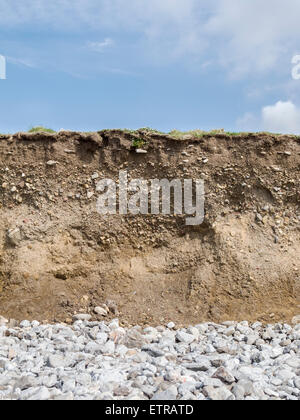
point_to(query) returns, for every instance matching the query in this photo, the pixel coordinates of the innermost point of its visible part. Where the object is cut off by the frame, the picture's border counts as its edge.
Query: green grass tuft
(138, 143)
(41, 129)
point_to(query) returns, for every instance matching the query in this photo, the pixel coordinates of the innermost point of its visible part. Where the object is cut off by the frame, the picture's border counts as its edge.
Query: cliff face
(58, 255)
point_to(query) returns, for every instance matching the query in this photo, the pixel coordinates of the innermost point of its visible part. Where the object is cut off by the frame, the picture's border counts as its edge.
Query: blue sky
(167, 64)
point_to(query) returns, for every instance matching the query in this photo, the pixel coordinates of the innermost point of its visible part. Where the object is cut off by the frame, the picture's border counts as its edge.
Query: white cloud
(283, 117)
(100, 46)
(246, 37)
(160, 30)
(255, 36)
(143, 15)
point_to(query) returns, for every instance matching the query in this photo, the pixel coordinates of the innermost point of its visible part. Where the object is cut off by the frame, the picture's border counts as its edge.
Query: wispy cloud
(254, 37)
(246, 37)
(101, 46)
(21, 62)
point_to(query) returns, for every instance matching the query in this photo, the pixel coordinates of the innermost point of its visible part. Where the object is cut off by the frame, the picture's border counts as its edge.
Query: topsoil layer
(58, 256)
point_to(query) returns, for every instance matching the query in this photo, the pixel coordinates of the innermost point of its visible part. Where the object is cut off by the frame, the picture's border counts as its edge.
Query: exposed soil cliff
(59, 256)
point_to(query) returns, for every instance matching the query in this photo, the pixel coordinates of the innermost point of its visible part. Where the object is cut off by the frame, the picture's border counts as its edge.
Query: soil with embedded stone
(60, 257)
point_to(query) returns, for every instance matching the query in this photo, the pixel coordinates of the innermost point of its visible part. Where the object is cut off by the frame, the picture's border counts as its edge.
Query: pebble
(25, 324)
(56, 361)
(258, 217)
(218, 394)
(224, 375)
(82, 317)
(184, 337)
(239, 392)
(3, 321)
(296, 320)
(100, 311)
(169, 394)
(51, 163)
(104, 361)
(14, 236)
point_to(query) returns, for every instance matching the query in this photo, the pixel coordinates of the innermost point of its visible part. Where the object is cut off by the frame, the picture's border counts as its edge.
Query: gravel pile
(103, 361)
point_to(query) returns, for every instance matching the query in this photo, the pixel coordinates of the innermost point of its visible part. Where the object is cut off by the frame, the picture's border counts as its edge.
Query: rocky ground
(103, 361)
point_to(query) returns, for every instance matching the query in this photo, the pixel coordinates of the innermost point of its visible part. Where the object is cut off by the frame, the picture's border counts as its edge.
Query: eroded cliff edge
(60, 256)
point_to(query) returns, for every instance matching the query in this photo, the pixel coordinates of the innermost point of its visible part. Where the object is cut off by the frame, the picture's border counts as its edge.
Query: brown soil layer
(61, 257)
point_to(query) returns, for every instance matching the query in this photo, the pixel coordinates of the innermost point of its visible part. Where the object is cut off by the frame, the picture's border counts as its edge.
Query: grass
(41, 129)
(200, 133)
(176, 134)
(138, 143)
(150, 130)
(195, 133)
